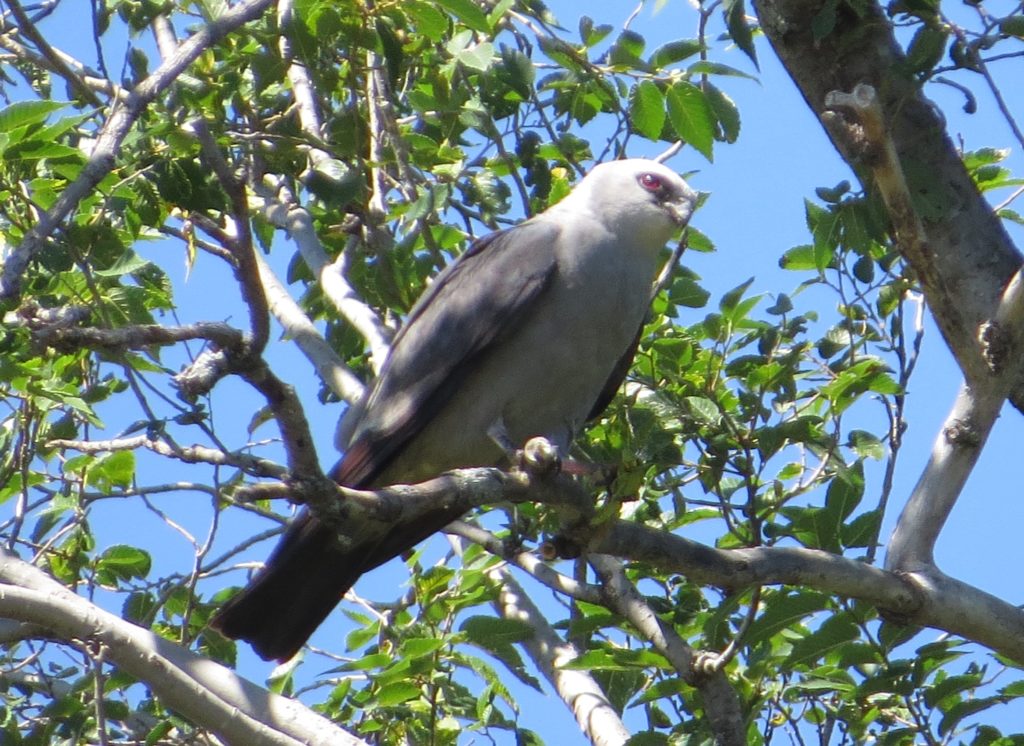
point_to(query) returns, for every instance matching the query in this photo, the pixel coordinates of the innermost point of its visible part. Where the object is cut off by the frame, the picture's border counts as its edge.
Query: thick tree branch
(210, 695)
(282, 210)
(578, 689)
(939, 602)
(330, 368)
(966, 257)
(942, 603)
(721, 704)
(960, 441)
(136, 337)
(526, 561)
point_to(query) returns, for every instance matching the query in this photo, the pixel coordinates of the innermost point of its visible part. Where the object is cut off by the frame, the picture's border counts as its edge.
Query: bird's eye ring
(651, 182)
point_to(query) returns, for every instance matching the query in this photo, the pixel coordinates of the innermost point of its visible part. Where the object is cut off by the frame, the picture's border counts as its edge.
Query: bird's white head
(636, 197)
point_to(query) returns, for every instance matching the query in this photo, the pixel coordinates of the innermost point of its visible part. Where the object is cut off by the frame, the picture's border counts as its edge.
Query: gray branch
(210, 695)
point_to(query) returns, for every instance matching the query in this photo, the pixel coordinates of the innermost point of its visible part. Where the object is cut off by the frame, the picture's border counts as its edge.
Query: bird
(529, 332)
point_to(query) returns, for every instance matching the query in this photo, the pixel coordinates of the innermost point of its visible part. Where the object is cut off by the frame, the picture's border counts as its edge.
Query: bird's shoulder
(498, 265)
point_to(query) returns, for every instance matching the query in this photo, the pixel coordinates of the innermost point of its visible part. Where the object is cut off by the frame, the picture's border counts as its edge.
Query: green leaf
(731, 299)
(1012, 26)
(739, 29)
(726, 112)
(427, 19)
(926, 48)
(617, 659)
(647, 109)
(648, 738)
(24, 113)
(488, 631)
(783, 305)
(832, 633)
(34, 150)
(112, 470)
(686, 292)
(397, 692)
(956, 687)
(964, 709)
(477, 57)
(125, 562)
(468, 12)
(824, 20)
(799, 258)
(703, 410)
(691, 116)
(591, 34)
(627, 49)
(419, 647)
(784, 609)
(866, 445)
(864, 269)
(674, 51)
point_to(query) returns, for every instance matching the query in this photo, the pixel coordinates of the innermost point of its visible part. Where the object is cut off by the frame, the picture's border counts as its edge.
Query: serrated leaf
(396, 693)
(701, 409)
(691, 116)
(125, 562)
(674, 51)
(468, 12)
(832, 633)
(24, 113)
(726, 112)
(739, 29)
(647, 109)
(429, 21)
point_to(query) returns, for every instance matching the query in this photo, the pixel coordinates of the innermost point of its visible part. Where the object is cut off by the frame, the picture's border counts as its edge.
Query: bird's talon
(540, 457)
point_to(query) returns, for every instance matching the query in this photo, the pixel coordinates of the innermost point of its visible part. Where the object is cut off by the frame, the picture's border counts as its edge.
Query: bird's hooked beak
(680, 207)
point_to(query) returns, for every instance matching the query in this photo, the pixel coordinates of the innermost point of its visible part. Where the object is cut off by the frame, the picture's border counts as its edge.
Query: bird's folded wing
(476, 302)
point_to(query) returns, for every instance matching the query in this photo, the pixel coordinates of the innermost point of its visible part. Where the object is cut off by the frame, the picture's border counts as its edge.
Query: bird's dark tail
(302, 581)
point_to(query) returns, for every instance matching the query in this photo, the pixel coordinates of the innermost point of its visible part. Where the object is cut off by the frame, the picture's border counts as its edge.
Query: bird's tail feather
(304, 579)
(299, 585)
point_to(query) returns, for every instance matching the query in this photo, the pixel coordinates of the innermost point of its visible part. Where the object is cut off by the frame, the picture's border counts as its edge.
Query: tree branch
(115, 129)
(721, 704)
(210, 695)
(330, 368)
(960, 441)
(578, 689)
(966, 258)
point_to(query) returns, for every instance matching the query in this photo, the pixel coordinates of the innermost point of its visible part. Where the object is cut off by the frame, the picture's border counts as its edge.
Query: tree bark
(967, 257)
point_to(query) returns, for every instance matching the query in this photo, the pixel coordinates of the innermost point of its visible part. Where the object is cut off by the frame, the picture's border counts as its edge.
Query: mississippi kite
(528, 333)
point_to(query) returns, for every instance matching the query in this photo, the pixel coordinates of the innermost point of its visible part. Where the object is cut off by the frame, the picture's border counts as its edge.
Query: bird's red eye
(651, 182)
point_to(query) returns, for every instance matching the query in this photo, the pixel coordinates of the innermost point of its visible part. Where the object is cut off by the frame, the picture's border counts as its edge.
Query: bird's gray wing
(617, 376)
(472, 305)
